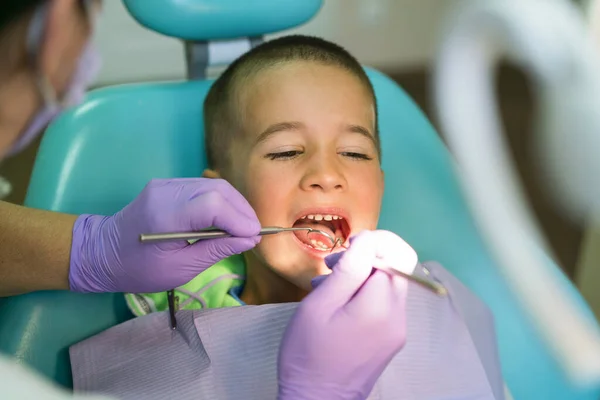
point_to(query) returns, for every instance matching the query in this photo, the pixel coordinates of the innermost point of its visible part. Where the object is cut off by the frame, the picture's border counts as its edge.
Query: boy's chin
(304, 281)
(301, 276)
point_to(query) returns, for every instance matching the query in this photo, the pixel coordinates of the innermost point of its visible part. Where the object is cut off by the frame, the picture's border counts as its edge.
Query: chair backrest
(97, 157)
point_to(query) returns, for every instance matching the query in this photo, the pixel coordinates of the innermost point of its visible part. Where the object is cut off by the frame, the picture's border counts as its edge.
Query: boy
(292, 125)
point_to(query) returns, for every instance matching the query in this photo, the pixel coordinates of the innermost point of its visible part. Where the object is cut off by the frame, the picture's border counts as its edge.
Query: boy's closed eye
(286, 155)
(283, 155)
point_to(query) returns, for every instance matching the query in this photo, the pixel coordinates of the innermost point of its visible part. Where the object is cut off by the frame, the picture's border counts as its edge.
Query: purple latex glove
(348, 329)
(107, 255)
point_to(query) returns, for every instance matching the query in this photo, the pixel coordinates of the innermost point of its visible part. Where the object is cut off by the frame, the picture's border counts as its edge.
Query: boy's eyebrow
(295, 126)
(279, 127)
(362, 131)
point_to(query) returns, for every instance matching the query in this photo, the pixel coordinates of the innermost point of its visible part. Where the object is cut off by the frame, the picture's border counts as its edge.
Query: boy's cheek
(266, 201)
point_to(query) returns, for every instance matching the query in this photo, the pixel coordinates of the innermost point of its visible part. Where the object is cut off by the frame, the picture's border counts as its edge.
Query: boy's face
(309, 158)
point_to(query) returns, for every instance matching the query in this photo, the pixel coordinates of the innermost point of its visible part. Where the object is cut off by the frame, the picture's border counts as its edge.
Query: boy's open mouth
(332, 224)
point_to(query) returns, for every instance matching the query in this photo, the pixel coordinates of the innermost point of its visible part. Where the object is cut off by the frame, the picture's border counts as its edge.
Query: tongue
(307, 238)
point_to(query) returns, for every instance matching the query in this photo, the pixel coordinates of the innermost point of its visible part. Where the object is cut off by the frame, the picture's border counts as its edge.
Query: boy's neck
(263, 286)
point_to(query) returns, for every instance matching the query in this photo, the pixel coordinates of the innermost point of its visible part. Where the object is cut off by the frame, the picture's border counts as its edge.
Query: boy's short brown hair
(220, 118)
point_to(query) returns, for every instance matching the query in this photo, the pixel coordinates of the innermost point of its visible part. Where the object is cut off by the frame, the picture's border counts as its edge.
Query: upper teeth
(320, 217)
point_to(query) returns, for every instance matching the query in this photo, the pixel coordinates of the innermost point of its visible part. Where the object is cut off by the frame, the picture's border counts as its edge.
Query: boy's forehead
(300, 83)
(294, 70)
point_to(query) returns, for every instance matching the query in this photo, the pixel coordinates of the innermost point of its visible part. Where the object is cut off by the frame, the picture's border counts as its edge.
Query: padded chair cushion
(221, 19)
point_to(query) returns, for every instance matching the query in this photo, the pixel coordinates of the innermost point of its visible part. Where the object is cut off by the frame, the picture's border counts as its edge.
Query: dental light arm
(549, 40)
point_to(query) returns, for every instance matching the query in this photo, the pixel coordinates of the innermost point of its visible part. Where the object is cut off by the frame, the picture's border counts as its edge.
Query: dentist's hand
(348, 329)
(107, 255)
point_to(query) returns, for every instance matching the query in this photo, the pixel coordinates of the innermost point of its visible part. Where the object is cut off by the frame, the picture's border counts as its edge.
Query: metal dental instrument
(218, 233)
(172, 308)
(433, 286)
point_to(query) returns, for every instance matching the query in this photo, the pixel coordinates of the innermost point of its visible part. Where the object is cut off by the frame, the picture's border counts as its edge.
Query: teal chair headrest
(198, 20)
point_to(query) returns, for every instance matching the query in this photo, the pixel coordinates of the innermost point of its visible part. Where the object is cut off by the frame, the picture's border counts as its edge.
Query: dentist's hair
(15, 17)
(221, 119)
(12, 10)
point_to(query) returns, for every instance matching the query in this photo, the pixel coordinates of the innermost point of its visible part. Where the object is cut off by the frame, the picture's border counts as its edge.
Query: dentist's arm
(34, 249)
(42, 250)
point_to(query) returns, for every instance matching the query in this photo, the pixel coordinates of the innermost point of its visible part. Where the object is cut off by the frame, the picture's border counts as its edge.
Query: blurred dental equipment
(550, 41)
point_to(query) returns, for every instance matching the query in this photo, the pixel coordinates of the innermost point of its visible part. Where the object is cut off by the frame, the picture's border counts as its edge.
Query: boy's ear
(211, 173)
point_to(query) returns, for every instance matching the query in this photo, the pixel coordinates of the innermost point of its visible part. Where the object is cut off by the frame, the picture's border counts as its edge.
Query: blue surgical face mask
(86, 70)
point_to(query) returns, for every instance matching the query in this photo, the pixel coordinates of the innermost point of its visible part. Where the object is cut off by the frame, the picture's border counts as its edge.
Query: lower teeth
(318, 245)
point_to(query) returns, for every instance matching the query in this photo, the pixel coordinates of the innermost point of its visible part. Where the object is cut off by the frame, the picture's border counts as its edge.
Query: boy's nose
(325, 176)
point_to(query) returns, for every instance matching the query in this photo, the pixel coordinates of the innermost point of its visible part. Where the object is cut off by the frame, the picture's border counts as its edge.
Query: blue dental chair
(97, 157)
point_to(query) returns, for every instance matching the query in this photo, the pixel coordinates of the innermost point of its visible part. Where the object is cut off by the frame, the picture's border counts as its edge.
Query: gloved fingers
(227, 191)
(401, 283)
(380, 299)
(170, 181)
(205, 253)
(316, 281)
(348, 275)
(393, 252)
(213, 209)
(332, 259)
(188, 189)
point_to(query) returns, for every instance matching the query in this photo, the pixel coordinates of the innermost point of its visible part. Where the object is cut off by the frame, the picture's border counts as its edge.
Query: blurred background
(398, 37)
